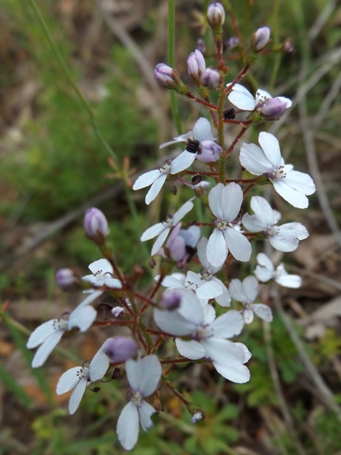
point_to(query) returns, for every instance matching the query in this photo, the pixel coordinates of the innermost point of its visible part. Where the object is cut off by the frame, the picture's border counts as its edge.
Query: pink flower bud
(273, 108)
(210, 78)
(261, 38)
(68, 279)
(170, 299)
(209, 152)
(216, 15)
(166, 76)
(196, 66)
(96, 226)
(119, 348)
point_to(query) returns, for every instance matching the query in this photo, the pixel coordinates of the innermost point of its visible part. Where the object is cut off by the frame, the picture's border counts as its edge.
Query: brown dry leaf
(310, 251)
(325, 316)
(6, 348)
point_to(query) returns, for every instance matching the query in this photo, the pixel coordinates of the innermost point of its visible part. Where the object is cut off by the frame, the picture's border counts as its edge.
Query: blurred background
(53, 167)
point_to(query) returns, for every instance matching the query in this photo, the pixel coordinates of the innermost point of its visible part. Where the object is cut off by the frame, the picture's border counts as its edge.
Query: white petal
(46, 348)
(152, 232)
(232, 198)
(103, 265)
(264, 261)
(209, 313)
(155, 189)
(145, 411)
(42, 332)
(254, 160)
(223, 351)
(201, 249)
(112, 283)
(77, 395)
(170, 281)
(182, 162)
(248, 316)
(202, 130)
(238, 244)
(209, 290)
(146, 179)
(68, 380)
(190, 349)
(227, 325)
(160, 240)
(187, 207)
(224, 299)
(289, 281)
(294, 229)
(144, 374)
(262, 95)
(237, 291)
(190, 307)
(263, 274)
(263, 210)
(128, 426)
(300, 181)
(173, 323)
(253, 224)
(98, 366)
(89, 299)
(285, 100)
(295, 198)
(215, 200)
(284, 243)
(216, 250)
(241, 98)
(82, 318)
(250, 287)
(263, 311)
(247, 353)
(235, 372)
(270, 146)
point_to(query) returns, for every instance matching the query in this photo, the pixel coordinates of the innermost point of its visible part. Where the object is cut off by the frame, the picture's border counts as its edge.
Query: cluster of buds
(185, 312)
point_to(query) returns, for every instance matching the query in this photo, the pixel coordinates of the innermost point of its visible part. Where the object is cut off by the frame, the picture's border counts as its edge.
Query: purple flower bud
(96, 226)
(68, 279)
(261, 38)
(119, 348)
(166, 76)
(216, 15)
(201, 46)
(273, 108)
(196, 66)
(232, 42)
(209, 152)
(181, 244)
(210, 78)
(170, 300)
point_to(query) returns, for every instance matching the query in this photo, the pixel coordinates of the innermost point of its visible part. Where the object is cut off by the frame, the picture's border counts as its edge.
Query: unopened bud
(209, 152)
(201, 46)
(288, 46)
(197, 416)
(119, 348)
(210, 78)
(96, 226)
(260, 39)
(232, 42)
(215, 15)
(170, 300)
(273, 108)
(196, 66)
(167, 77)
(68, 279)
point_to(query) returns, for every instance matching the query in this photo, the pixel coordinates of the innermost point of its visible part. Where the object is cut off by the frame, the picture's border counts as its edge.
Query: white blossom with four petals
(161, 230)
(102, 275)
(292, 185)
(266, 271)
(76, 378)
(246, 292)
(283, 238)
(225, 203)
(143, 376)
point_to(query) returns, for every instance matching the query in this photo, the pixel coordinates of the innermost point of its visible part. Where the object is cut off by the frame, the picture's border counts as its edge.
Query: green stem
(171, 62)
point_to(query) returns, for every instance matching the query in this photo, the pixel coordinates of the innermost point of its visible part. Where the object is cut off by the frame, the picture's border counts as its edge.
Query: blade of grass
(10, 382)
(171, 62)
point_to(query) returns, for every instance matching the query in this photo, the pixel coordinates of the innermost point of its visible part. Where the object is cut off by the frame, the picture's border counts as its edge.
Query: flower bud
(196, 416)
(170, 300)
(196, 66)
(181, 244)
(288, 46)
(167, 77)
(209, 152)
(273, 108)
(201, 46)
(215, 15)
(96, 226)
(119, 348)
(68, 279)
(260, 38)
(210, 78)
(232, 42)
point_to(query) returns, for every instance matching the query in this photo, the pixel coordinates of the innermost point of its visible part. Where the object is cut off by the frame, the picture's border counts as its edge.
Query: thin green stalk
(274, 38)
(171, 62)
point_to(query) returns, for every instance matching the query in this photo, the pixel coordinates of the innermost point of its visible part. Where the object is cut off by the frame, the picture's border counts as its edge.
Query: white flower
(76, 378)
(246, 292)
(225, 203)
(204, 290)
(292, 185)
(48, 334)
(208, 335)
(162, 229)
(209, 270)
(244, 100)
(102, 275)
(283, 238)
(266, 271)
(143, 376)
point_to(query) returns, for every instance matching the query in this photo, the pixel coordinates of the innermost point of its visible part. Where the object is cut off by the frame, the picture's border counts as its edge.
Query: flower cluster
(186, 310)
